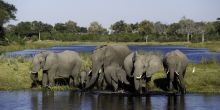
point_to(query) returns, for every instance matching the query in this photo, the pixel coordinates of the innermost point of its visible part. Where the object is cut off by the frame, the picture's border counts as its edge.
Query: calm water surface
(70, 100)
(196, 55)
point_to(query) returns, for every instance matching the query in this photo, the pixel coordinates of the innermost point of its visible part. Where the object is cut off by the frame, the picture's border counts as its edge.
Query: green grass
(14, 72)
(205, 79)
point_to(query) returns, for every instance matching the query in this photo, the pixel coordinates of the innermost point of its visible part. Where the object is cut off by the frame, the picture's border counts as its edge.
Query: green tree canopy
(121, 27)
(71, 26)
(60, 27)
(7, 12)
(96, 28)
(145, 27)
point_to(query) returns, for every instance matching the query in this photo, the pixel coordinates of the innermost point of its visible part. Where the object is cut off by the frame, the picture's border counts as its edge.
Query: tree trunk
(146, 38)
(39, 37)
(187, 37)
(203, 37)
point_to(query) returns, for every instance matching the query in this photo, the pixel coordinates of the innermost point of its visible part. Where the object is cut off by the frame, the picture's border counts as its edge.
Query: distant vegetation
(184, 30)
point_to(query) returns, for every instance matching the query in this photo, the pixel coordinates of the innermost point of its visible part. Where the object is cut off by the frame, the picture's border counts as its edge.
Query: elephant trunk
(93, 79)
(34, 78)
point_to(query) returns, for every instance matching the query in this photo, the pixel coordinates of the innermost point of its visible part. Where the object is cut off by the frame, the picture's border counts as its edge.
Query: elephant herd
(113, 67)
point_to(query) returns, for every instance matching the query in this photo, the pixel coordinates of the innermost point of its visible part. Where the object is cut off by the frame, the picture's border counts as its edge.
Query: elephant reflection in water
(139, 103)
(115, 102)
(34, 101)
(48, 100)
(175, 102)
(111, 102)
(61, 101)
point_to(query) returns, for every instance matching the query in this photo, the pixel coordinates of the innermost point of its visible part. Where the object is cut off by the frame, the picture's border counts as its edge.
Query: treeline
(184, 30)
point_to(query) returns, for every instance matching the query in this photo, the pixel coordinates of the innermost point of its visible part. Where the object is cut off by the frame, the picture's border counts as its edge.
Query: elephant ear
(154, 65)
(45, 62)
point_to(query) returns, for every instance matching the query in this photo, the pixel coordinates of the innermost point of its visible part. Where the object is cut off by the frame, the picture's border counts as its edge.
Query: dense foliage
(7, 12)
(183, 30)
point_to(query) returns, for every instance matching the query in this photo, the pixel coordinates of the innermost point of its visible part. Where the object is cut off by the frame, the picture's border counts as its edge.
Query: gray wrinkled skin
(103, 56)
(141, 67)
(66, 64)
(175, 64)
(113, 74)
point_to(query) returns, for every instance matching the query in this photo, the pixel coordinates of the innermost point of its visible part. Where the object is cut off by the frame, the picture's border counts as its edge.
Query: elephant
(66, 64)
(86, 76)
(113, 74)
(141, 67)
(175, 64)
(103, 56)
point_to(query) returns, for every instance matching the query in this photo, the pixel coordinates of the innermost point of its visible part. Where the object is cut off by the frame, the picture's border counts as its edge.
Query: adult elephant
(175, 64)
(115, 74)
(141, 68)
(105, 55)
(66, 64)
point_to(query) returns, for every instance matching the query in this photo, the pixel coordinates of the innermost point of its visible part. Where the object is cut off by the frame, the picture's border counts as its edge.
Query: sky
(108, 12)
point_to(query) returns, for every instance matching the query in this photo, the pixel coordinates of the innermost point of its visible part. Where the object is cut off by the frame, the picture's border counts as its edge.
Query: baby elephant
(66, 64)
(175, 64)
(113, 74)
(84, 76)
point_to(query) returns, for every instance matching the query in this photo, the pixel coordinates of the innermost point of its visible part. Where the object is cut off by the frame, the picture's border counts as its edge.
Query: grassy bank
(14, 74)
(213, 46)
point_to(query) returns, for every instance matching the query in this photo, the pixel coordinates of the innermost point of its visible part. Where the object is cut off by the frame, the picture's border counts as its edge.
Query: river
(196, 55)
(66, 100)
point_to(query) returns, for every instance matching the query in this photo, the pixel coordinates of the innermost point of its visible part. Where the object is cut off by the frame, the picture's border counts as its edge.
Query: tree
(23, 28)
(96, 28)
(216, 25)
(134, 27)
(121, 27)
(71, 26)
(60, 27)
(82, 30)
(38, 27)
(160, 28)
(173, 29)
(7, 12)
(145, 27)
(187, 27)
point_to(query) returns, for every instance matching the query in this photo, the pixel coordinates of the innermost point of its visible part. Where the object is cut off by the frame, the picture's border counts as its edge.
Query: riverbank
(15, 75)
(213, 46)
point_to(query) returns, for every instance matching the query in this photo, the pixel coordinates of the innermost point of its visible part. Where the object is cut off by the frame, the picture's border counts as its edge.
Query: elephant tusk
(167, 71)
(194, 69)
(32, 72)
(139, 77)
(100, 70)
(177, 73)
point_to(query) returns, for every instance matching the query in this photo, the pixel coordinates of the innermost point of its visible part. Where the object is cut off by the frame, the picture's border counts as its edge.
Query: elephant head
(97, 65)
(84, 77)
(38, 63)
(141, 67)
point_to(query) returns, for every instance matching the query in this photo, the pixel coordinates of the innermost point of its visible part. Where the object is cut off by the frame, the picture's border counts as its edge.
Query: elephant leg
(104, 84)
(71, 81)
(115, 85)
(171, 78)
(100, 80)
(51, 76)
(73, 77)
(45, 79)
(181, 84)
(137, 84)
